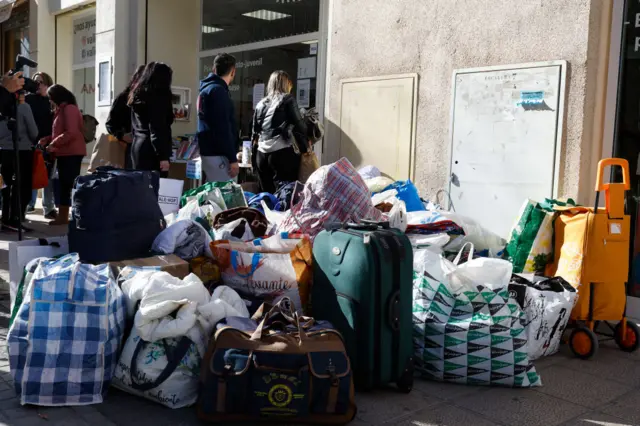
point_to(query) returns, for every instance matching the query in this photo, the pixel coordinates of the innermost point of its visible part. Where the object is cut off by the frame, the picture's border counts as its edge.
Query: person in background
(12, 211)
(41, 108)
(67, 144)
(217, 128)
(277, 126)
(119, 121)
(151, 119)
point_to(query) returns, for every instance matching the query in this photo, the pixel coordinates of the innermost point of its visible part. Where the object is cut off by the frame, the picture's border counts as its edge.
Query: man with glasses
(41, 108)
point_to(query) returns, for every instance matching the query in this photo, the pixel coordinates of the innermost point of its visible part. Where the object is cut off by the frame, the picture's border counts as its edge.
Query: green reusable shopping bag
(530, 248)
(232, 194)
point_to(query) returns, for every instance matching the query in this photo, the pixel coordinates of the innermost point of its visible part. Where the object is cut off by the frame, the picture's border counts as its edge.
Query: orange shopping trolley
(592, 253)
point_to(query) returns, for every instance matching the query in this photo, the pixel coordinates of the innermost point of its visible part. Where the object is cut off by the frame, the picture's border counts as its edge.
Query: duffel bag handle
(285, 308)
(174, 357)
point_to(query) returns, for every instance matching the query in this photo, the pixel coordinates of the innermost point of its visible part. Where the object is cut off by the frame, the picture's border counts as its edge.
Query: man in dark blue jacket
(217, 129)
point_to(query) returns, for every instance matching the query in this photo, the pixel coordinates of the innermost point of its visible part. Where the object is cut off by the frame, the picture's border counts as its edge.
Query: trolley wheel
(405, 383)
(631, 340)
(583, 342)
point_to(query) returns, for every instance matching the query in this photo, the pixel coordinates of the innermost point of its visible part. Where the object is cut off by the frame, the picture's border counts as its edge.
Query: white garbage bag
(162, 355)
(397, 216)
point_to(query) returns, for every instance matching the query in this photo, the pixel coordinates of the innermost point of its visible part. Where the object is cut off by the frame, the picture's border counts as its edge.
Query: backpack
(89, 126)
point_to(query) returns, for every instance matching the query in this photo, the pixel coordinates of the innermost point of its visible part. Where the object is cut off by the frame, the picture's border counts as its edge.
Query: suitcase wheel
(405, 382)
(631, 340)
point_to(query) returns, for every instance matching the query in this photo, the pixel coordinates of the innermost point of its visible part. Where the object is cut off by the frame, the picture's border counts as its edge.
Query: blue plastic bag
(408, 193)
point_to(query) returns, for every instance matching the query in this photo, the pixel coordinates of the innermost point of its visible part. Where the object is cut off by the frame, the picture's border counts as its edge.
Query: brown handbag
(286, 369)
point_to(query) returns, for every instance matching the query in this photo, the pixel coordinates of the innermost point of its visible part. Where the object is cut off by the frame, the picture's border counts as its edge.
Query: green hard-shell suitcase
(362, 284)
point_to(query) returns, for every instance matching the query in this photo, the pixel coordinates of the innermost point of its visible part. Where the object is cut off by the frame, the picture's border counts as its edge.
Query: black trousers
(143, 157)
(12, 212)
(277, 168)
(68, 170)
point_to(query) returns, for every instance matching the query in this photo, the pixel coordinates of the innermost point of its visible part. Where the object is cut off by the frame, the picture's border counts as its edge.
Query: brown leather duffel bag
(286, 369)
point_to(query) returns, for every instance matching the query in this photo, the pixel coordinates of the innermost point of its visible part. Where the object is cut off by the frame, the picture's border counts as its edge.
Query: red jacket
(67, 137)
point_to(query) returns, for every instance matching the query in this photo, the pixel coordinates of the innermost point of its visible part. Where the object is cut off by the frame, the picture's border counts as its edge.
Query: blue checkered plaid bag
(64, 343)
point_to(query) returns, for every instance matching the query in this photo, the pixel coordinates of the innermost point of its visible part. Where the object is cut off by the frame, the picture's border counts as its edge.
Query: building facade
(324, 42)
(380, 72)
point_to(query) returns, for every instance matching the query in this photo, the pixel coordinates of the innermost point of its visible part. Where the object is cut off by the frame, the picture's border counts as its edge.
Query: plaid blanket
(333, 193)
(64, 342)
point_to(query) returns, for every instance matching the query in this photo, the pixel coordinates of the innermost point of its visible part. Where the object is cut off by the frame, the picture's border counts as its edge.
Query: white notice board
(506, 137)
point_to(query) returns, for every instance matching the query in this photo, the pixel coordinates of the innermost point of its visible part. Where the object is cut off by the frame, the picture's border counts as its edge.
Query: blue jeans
(48, 199)
(34, 198)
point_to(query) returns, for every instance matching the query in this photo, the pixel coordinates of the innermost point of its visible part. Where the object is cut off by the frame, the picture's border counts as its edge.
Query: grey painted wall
(434, 37)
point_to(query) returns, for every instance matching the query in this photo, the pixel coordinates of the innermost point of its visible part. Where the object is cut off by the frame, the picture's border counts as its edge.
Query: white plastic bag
(190, 211)
(397, 216)
(377, 184)
(433, 242)
(233, 231)
(547, 304)
(162, 357)
(491, 273)
(214, 196)
(269, 269)
(479, 236)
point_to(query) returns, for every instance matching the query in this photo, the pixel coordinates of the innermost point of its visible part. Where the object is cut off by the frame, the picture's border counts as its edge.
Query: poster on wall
(84, 41)
(258, 94)
(307, 67)
(303, 93)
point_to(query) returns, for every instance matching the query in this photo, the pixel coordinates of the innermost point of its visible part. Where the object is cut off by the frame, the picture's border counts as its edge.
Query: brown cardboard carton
(171, 264)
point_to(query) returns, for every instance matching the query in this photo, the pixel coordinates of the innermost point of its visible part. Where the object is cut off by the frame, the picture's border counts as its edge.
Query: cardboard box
(171, 264)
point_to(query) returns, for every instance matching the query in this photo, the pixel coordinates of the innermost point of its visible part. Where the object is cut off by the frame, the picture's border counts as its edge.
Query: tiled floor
(603, 391)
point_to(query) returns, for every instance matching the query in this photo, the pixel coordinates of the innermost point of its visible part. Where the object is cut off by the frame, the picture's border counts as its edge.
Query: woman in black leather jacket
(151, 119)
(280, 132)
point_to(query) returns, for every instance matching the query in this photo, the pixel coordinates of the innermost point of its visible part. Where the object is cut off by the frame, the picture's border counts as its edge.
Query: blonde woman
(280, 132)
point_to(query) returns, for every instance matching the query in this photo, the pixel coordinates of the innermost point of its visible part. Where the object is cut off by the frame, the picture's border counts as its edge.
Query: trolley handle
(624, 164)
(601, 186)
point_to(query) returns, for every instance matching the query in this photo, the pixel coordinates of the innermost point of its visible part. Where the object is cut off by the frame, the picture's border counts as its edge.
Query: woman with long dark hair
(67, 144)
(278, 127)
(151, 118)
(119, 122)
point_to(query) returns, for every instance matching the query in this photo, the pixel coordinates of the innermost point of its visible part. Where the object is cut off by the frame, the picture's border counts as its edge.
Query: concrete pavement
(604, 391)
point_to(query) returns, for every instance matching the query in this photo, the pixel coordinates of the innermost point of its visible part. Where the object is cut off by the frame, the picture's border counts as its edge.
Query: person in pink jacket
(67, 144)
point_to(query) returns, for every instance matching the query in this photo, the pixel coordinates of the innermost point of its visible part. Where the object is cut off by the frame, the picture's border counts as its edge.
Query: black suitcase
(113, 198)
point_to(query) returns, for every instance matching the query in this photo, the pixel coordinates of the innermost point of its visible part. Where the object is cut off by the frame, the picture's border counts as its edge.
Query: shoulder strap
(174, 357)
